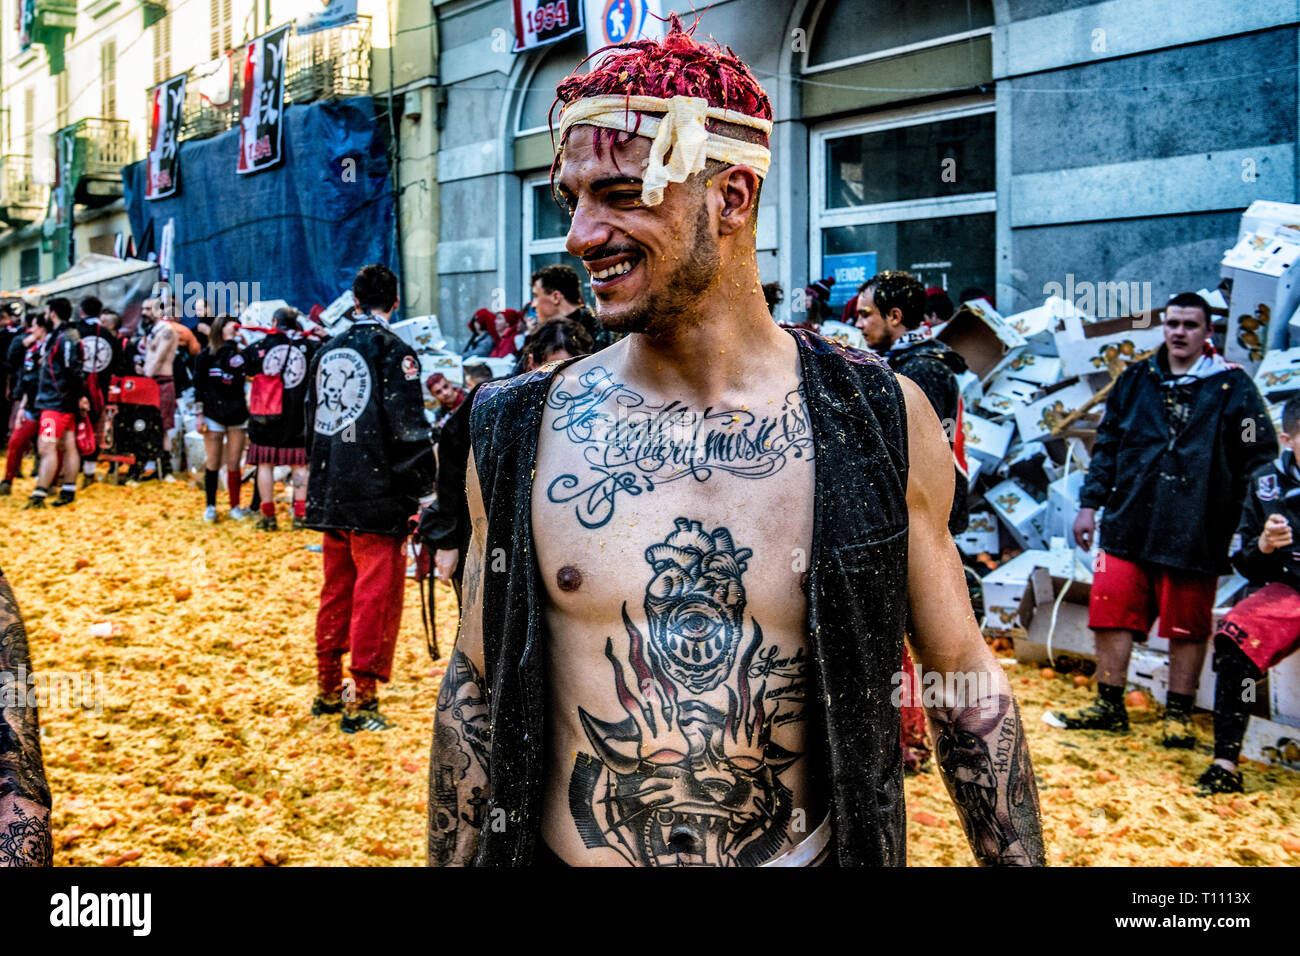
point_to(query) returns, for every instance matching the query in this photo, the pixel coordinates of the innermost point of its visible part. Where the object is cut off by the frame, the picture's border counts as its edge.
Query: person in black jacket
(11, 329)
(891, 316)
(1264, 629)
(371, 452)
(25, 354)
(101, 353)
(282, 358)
(223, 413)
(60, 395)
(1182, 434)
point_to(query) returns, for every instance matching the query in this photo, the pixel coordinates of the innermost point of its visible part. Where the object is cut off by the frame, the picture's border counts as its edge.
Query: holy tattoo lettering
(631, 445)
(676, 782)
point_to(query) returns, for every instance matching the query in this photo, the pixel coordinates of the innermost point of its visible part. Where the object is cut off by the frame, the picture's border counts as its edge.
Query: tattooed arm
(24, 796)
(458, 766)
(979, 741)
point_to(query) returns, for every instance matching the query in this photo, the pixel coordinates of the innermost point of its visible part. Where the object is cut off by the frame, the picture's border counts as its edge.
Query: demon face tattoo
(661, 787)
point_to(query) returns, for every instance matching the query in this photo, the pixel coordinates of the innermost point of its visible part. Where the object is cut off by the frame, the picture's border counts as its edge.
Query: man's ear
(738, 189)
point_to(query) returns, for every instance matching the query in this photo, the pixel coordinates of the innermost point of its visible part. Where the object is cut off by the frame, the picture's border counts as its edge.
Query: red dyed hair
(676, 65)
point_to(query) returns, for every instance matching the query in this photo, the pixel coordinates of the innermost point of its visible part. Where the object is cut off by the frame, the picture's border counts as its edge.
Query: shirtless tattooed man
(696, 553)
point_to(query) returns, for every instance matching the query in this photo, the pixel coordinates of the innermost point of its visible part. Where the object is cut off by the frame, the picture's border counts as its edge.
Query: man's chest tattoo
(630, 446)
(690, 774)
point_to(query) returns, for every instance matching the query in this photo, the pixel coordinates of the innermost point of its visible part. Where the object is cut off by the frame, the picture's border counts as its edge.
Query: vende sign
(537, 23)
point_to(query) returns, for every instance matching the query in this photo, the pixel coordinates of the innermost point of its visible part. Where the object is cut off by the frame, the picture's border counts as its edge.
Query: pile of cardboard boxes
(1033, 396)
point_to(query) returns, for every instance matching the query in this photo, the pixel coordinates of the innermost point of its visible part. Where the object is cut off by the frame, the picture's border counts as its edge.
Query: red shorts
(1266, 625)
(167, 402)
(1130, 596)
(54, 424)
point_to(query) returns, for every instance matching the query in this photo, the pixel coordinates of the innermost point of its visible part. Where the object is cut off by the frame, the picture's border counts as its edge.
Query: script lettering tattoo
(631, 445)
(985, 764)
(690, 776)
(24, 795)
(459, 762)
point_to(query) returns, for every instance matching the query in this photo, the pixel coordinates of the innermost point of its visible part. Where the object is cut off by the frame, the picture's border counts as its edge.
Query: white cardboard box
(1284, 691)
(1036, 420)
(1005, 394)
(849, 335)
(981, 535)
(1032, 367)
(968, 384)
(1024, 517)
(1272, 742)
(986, 440)
(1265, 274)
(1098, 346)
(1279, 373)
(421, 333)
(981, 336)
(1265, 216)
(445, 363)
(1038, 325)
(1004, 589)
(1063, 505)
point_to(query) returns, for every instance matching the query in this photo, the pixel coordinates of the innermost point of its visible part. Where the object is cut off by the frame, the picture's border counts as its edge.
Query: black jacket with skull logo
(370, 446)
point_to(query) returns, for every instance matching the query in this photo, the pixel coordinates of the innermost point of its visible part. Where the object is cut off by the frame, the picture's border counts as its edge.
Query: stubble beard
(669, 307)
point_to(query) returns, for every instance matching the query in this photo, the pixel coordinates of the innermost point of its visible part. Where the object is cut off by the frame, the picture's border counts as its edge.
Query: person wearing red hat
(508, 325)
(482, 335)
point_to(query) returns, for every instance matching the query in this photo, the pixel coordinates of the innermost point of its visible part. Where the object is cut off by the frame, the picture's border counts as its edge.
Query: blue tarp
(301, 229)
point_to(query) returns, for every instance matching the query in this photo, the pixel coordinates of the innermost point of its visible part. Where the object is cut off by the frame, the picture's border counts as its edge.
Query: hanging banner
(538, 23)
(213, 81)
(619, 21)
(326, 15)
(65, 155)
(26, 18)
(166, 102)
(261, 110)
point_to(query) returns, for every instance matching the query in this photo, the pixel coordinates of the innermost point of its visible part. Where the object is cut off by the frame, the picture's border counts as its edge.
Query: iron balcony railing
(18, 191)
(108, 146)
(319, 66)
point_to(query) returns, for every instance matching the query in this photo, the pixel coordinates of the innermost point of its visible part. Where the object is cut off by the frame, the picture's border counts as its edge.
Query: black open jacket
(1274, 489)
(371, 448)
(857, 602)
(1175, 500)
(61, 385)
(219, 385)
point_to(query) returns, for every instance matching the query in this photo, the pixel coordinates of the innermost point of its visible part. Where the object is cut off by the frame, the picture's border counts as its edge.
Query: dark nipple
(568, 578)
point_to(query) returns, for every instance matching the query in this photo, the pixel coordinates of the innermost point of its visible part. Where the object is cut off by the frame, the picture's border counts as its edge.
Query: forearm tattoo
(631, 445)
(24, 795)
(690, 774)
(458, 765)
(984, 758)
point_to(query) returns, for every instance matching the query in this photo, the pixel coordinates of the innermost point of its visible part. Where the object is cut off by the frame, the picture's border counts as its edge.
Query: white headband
(680, 130)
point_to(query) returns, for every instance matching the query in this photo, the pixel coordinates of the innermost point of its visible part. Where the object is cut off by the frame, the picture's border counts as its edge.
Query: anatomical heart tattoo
(690, 776)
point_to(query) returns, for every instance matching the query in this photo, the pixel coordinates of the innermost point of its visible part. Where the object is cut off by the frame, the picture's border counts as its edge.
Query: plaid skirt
(271, 455)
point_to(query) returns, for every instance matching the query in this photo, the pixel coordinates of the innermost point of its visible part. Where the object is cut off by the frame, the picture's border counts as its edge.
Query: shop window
(845, 31)
(546, 226)
(557, 63)
(911, 191)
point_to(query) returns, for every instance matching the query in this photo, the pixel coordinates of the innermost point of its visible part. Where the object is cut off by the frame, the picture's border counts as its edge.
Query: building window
(913, 191)
(108, 79)
(219, 32)
(546, 226)
(29, 120)
(61, 99)
(556, 63)
(844, 32)
(29, 266)
(162, 49)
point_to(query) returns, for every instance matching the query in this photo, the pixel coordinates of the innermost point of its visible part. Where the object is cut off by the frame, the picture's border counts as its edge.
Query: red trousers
(361, 600)
(19, 442)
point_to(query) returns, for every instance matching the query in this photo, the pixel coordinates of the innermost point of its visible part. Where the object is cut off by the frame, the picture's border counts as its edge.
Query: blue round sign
(622, 20)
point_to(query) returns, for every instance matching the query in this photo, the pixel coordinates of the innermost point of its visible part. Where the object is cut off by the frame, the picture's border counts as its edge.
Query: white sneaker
(239, 514)
(210, 514)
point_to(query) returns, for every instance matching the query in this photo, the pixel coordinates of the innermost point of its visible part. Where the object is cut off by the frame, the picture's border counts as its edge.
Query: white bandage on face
(678, 134)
